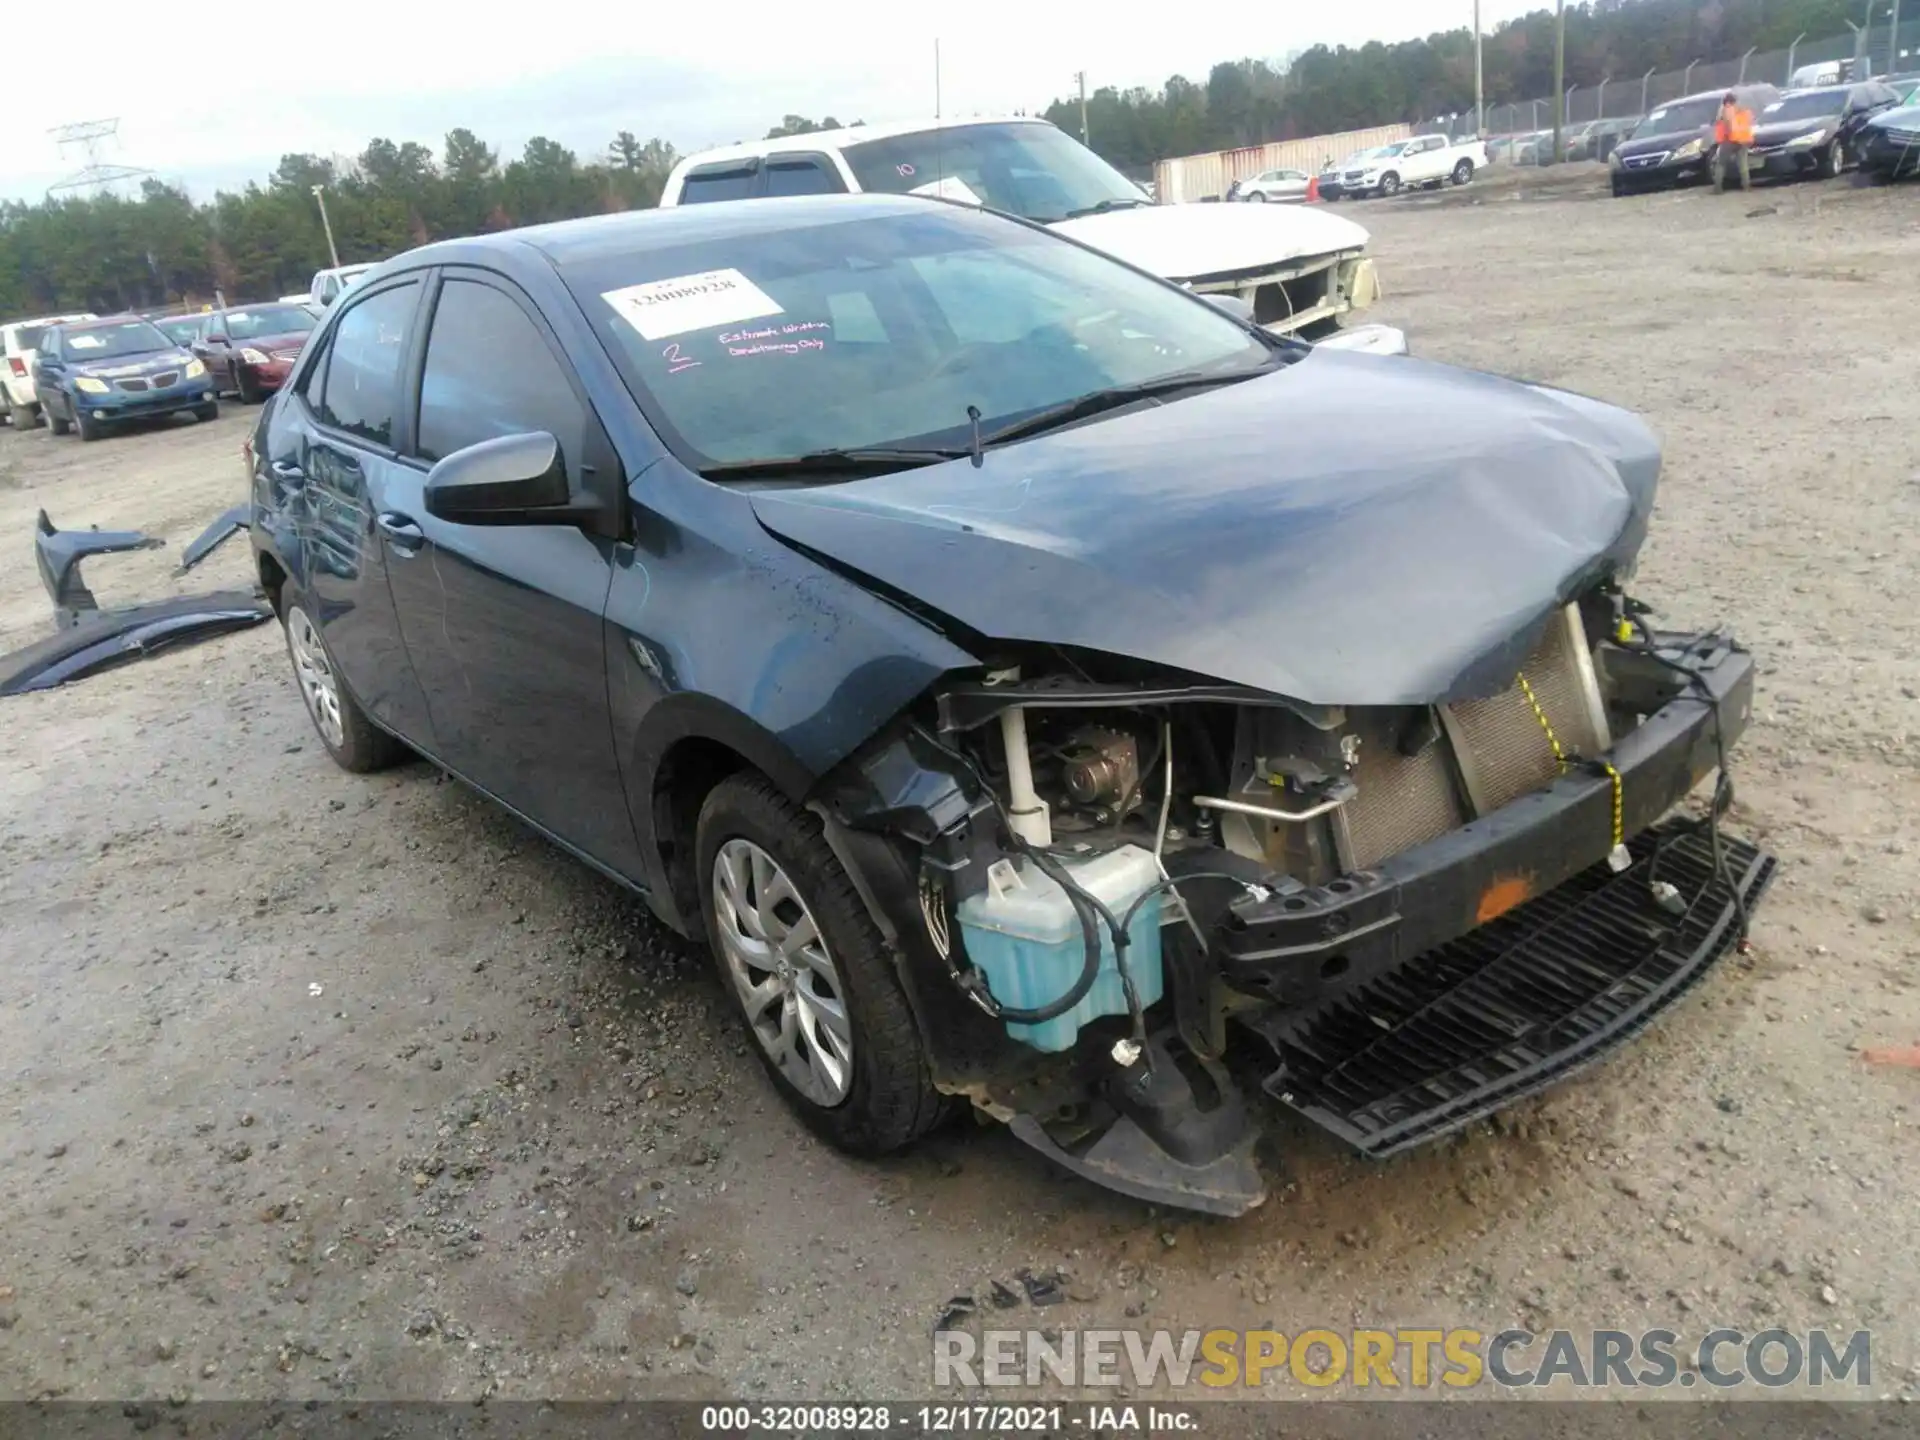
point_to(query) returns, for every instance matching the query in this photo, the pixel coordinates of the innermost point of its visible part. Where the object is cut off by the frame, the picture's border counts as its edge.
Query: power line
(97, 174)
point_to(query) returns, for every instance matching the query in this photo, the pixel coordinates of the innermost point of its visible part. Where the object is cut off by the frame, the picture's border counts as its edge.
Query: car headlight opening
(253, 357)
(87, 385)
(195, 369)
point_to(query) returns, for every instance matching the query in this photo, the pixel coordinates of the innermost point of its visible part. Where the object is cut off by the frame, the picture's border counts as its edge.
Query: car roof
(1837, 91)
(566, 243)
(845, 136)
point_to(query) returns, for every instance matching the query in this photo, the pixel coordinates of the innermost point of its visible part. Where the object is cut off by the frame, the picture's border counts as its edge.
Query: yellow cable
(1560, 756)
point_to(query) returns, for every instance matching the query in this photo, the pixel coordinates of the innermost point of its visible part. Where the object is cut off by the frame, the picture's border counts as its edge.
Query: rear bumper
(1302, 947)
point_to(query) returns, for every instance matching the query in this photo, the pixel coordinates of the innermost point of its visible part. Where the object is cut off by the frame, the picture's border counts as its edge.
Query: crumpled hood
(1183, 242)
(122, 366)
(1351, 530)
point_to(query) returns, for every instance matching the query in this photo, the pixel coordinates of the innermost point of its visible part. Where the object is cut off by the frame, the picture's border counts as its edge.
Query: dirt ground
(326, 1086)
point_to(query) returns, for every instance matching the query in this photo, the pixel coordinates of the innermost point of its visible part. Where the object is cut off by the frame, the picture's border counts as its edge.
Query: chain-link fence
(1873, 51)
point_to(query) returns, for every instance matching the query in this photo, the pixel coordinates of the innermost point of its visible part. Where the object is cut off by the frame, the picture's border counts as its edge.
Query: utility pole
(1792, 50)
(1893, 41)
(1479, 80)
(1559, 79)
(320, 195)
(1081, 76)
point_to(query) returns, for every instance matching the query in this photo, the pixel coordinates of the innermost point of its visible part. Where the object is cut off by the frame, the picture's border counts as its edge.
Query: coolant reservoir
(1023, 933)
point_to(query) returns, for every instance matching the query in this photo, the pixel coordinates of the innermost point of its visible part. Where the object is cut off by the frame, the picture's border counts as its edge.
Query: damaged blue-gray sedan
(979, 644)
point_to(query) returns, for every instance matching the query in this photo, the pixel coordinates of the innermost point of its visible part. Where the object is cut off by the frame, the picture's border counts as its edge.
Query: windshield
(1028, 169)
(1385, 150)
(179, 328)
(268, 320)
(106, 342)
(881, 332)
(1673, 119)
(1814, 105)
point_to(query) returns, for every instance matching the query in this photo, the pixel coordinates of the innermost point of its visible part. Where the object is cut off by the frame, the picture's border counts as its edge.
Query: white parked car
(20, 339)
(1301, 270)
(1281, 186)
(329, 285)
(1424, 160)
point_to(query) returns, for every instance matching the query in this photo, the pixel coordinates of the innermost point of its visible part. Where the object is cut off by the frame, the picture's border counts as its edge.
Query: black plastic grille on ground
(1514, 1006)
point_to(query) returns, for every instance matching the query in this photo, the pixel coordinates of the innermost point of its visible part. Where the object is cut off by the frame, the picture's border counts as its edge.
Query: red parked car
(250, 351)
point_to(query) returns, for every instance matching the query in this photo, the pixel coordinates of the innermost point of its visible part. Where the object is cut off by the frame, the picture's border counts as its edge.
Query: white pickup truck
(1418, 163)
(1299, 270)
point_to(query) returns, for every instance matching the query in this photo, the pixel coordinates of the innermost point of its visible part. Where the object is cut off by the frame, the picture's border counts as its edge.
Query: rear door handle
(405, 536)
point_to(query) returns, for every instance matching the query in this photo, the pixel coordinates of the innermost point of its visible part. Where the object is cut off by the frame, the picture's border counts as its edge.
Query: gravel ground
(325, 1086)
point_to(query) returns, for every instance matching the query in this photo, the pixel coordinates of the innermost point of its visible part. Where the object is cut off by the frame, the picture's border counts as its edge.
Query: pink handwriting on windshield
(774, 332)
(778, 347)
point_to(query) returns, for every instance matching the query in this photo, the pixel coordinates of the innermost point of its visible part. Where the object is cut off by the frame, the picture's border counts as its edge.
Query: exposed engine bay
(1420, 911)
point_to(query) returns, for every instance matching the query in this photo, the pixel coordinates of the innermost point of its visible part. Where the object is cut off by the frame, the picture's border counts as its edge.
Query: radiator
(1490, 752)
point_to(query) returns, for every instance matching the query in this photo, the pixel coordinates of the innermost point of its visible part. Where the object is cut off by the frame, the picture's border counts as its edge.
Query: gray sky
(327, 79)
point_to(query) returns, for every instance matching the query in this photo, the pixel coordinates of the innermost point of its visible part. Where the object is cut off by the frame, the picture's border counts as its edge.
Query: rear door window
(723, 180)
(362, 390)
(803, 175)
(490, 372)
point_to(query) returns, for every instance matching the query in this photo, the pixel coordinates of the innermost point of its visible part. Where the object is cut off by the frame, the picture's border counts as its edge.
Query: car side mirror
(512, 480)
(1241, 310)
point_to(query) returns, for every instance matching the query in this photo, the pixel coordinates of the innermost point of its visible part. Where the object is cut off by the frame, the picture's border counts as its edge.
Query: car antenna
(979, 451)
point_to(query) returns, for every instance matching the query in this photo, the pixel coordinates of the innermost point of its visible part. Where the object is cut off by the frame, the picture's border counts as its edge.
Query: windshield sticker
(790, 339)
(661, 309)
(86, 342)
(238, 317)
(948, 187)
(1656, 115)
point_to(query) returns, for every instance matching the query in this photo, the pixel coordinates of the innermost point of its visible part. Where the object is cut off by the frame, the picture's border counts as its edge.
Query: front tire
(208, 411)
(85, 426)
(1390, 184)
(810, 973)
(1257, 197)
(1833, 160)
(55, 423)
(247, 388)
(354, 741)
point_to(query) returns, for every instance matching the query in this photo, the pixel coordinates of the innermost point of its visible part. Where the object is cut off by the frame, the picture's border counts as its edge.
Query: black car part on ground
(58, 553)
(89, 639)
(232, 523)
(112, 637)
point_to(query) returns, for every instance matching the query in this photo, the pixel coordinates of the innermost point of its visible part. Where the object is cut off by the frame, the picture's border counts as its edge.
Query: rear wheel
(1463, 172)
(811, 975)
(354, 741)
(24, 417)
(1259, 197)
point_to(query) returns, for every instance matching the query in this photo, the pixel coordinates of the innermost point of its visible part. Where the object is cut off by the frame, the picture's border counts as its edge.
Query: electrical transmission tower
(96, 175)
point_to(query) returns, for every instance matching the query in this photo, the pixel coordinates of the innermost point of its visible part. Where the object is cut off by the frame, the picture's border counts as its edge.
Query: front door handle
(405, 536)
(290, 475)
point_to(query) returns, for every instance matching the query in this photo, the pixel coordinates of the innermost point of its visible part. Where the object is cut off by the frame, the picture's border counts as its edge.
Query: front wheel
(1833, 160)
(1390, 184)
(56, 423)
(85, 426)
(208, 411)
(1463, 172)
(809, 972)
(247, 388)
(354, 741)
(1258, 197)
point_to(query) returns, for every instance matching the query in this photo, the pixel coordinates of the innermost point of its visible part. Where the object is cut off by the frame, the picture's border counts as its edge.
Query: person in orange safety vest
(1732, 139)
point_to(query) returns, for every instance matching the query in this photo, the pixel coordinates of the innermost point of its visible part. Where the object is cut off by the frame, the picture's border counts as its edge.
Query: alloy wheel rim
(317, 685)
(778, 961)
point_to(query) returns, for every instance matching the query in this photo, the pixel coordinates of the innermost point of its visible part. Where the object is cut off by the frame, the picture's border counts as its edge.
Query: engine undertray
(1516, 1005)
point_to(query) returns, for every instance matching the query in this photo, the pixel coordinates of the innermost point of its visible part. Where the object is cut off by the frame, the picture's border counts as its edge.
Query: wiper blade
(1066, 413)
(876, 459)
(1118, 202)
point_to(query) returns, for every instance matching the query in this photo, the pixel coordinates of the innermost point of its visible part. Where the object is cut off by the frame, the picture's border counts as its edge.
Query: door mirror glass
(513, 480)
